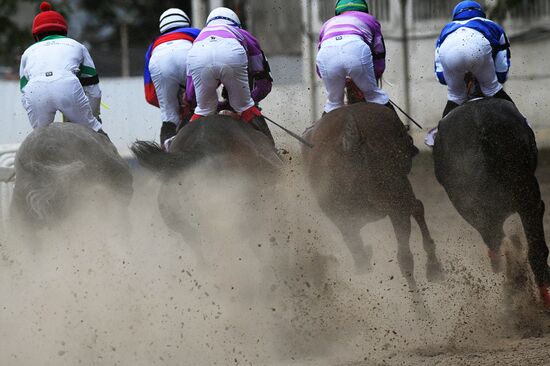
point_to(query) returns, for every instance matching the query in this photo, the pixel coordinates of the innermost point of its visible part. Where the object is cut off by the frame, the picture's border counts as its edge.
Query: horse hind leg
(434, 271)
(401, 222)
(351, 233)
(402, 226)
(493, 235)
(532, 220)
(172, 215)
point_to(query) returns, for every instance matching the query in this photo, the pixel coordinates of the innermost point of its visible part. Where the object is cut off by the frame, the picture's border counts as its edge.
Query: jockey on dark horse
(226, 53)
(165, 71)
(472, 43)
(57, 74)
(352, 51)
(471, 51)
(485, 154)
(351, 45)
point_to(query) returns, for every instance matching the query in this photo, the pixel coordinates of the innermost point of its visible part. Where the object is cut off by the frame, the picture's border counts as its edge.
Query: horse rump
(57, 164)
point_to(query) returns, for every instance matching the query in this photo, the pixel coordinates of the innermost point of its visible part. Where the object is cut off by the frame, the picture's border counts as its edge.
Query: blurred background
(118, 32)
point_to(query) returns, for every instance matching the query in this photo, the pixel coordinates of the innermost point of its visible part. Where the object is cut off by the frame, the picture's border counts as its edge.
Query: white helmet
(173, 18)
(223, 16)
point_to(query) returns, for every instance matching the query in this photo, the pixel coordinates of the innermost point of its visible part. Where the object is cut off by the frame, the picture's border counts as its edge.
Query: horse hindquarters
(500, 182)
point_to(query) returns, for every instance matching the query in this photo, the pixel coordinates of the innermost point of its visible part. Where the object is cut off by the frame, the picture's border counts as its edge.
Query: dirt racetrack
(112, 289)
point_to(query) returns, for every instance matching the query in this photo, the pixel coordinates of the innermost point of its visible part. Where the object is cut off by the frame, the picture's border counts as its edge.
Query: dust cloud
(276, 286)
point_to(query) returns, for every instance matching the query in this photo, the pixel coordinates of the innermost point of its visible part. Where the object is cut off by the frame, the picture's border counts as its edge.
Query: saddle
(474, 93)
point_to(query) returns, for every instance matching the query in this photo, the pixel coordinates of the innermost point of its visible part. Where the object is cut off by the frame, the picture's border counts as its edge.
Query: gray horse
(56, 163)
(358, 171)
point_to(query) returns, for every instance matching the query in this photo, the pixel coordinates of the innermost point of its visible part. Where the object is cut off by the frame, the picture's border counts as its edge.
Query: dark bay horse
(54, 165)
(485, 156)
(358, 171)
(205, 155)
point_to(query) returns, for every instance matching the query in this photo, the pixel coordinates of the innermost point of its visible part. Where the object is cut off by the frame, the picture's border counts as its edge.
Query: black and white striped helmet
(173, 18)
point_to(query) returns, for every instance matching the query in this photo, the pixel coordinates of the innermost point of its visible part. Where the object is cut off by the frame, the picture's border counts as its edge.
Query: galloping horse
(358, 171)
(56, 162)
(485, 156)
(218, 147)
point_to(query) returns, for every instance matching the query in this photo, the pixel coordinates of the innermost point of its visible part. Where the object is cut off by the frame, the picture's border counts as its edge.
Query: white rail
(7, 176)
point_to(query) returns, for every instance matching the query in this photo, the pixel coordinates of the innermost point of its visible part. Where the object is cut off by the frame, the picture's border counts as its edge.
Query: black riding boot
(449, 107)
(260, 124)
(167, 130)
(503, 95)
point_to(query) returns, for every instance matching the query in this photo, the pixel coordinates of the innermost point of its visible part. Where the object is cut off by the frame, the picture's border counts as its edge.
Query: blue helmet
(467, 10)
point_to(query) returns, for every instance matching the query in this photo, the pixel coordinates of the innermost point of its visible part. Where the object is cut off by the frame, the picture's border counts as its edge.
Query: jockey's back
(245, 38)
(56, 56)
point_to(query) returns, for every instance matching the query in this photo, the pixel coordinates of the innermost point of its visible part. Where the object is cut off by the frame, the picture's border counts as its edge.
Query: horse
(485, 156)
(205, 155)
(56, 163)
(358, 171)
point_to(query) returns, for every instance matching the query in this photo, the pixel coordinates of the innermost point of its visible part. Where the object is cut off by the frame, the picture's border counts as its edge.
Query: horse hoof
(362, 261)
(545, 296)
(434, 273)
(496, 265)
(496, 261)
(363, 268)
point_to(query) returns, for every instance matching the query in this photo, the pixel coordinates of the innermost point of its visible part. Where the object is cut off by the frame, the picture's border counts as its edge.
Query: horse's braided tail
(152, 157)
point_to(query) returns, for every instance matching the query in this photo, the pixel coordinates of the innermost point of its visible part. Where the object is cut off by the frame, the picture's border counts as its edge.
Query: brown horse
(207, 157)
(358, 171)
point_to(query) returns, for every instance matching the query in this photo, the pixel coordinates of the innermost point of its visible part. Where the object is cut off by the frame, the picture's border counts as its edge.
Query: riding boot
(503, 95)
(167, 130)
(260, 124)
(195, 117)
(253, 115)
(449, 107)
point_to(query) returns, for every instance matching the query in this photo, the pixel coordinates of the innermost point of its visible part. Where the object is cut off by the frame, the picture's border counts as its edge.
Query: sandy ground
(278, 288)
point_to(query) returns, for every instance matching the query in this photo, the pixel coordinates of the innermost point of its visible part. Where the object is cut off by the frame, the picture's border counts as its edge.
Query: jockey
(165, 70)
(472, 43)
(351, 45)
(227, 54)
(57, 73)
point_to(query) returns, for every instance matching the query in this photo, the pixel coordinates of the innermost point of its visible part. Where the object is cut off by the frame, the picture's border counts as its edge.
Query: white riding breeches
(467, 50)
(168, 69)
(43, 96)
(347, 56)
(216, 60)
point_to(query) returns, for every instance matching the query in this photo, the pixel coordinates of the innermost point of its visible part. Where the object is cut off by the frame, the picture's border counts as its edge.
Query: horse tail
(152, 157)
(48, 184)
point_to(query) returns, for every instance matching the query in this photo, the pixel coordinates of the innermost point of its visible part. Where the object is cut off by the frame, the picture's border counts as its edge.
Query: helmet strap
(225, 18)
(468, 9)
